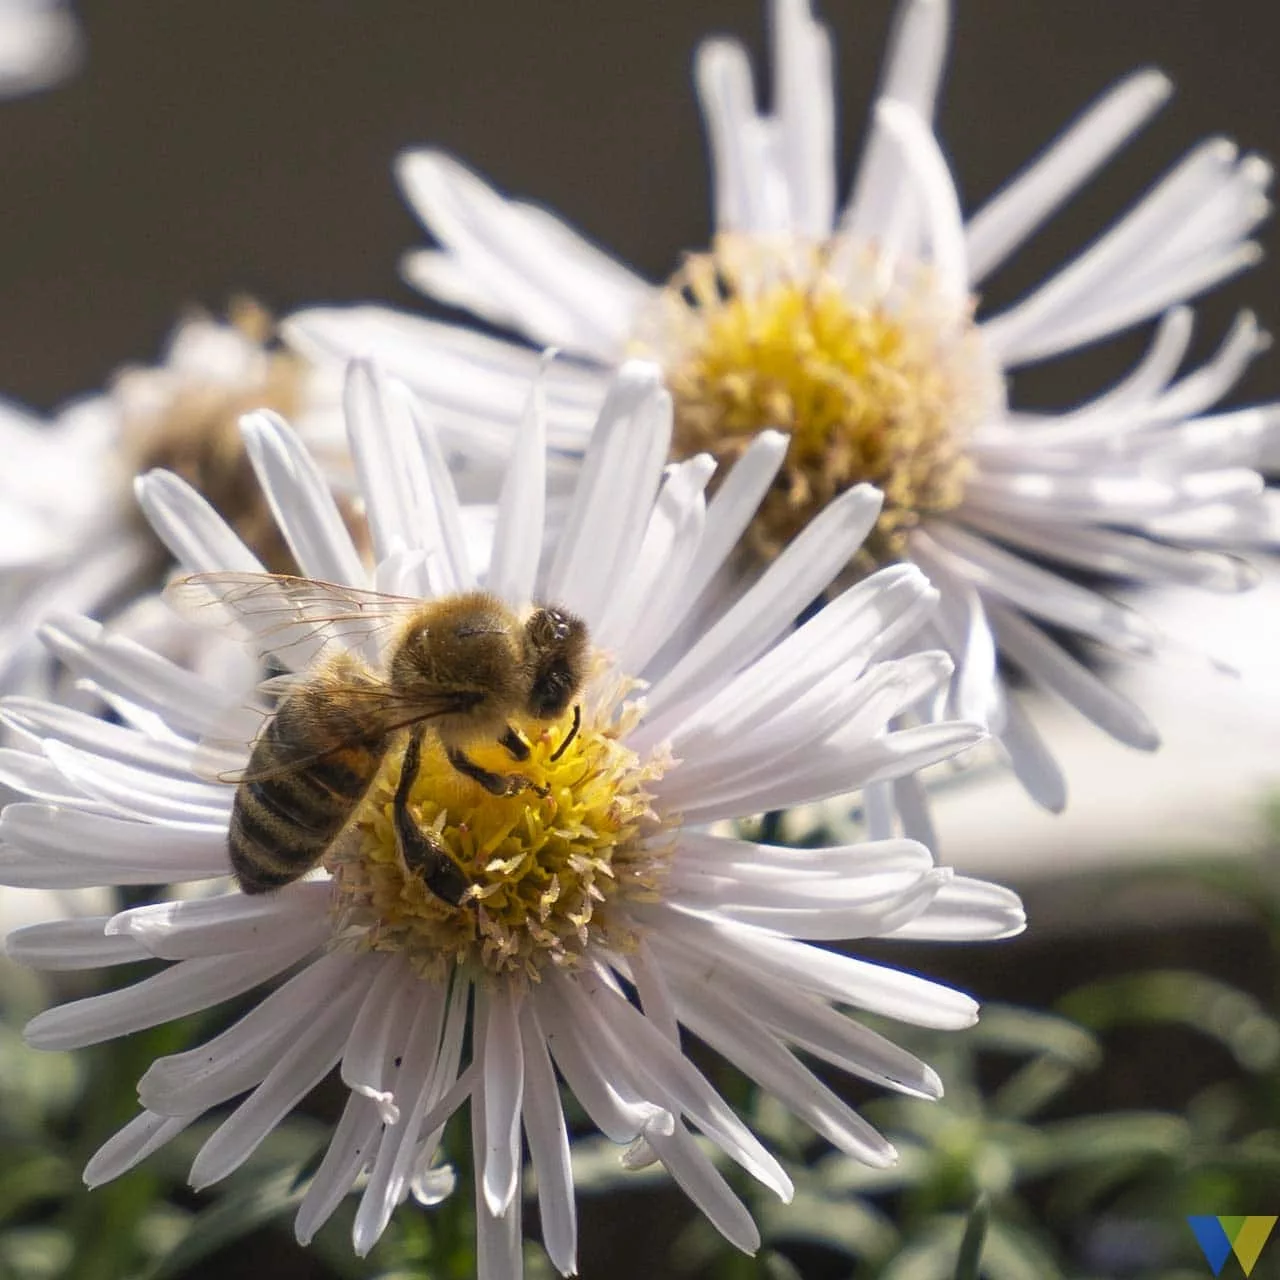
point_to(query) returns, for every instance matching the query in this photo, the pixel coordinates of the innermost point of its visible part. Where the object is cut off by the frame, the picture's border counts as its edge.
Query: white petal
(239, 1058)
(185, 702)
(873, 614)
(699, 1179)
(967, 911)
(38, 720)
(1123, 555)
(829, 974)
(616, 487)
(549, 1150)
(232, 922)
(503, 1064)
(804, 569)
(70, 944)
(390, 471)
(638, 619)
(766, 1060)
(1009, 217)
(725, 92)
(1036, 591)
(143, 1134)
(834, 768)
(350, 1149)
(944, 246)
(304, 1062)
(1032, 761)
(807, 1022)
(186, 803)
(301, 502)
(962, 622)
(87, 848)
(912, 73)
(517, 538)
(498, 1239)
(186, 987)
(558, 288)
(378, 1033)
(613, 1106)
(417, 1081)
(668, 1074)
(441, 513)
(805, 105)
(200, 540)
(731, 509)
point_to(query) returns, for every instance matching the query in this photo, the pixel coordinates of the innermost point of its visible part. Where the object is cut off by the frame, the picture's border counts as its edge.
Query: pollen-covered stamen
(192, 427)
(546, 872)
(874, 374)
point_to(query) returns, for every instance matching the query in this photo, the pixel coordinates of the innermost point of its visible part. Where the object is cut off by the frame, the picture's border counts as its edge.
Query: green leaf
(232, 1217)
(35, 1253)
(849, 1226)
(1011, 1029)
(1106, 1140)
(777, 1266)
(1013, 1254)
(1215, 1009)
(969, 1262)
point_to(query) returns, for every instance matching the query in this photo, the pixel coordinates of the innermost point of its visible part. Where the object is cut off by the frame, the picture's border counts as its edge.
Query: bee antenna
(569, 737)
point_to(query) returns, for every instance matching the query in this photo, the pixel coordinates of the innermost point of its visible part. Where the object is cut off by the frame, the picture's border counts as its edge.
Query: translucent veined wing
(294, 622)
(225, 755)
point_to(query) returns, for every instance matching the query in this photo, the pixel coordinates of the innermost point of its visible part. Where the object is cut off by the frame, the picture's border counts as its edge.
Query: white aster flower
(73, 537)
(602, 916)
(851, 326)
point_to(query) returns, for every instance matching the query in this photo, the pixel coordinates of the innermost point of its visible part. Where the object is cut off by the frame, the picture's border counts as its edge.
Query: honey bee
(459, 667)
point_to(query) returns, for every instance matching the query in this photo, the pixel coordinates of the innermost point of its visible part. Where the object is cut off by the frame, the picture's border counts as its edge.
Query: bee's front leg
(516, 746)
(497, 784)
(420, 847)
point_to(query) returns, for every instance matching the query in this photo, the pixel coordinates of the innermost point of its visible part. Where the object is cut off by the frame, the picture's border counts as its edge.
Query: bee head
(557, 651)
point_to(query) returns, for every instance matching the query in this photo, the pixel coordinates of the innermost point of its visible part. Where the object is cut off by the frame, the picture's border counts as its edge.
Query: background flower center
(875, 378)
(194, 431)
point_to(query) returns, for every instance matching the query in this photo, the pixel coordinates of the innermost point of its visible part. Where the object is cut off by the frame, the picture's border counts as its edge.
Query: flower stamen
(545, 871)
(874, 375)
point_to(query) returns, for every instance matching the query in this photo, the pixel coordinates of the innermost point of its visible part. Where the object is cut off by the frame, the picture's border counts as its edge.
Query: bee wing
(222, 753)
(289, 620)
(221, 756)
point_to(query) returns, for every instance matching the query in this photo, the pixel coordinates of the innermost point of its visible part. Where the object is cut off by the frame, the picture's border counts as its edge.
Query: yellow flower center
(875, 377)
(548, 868)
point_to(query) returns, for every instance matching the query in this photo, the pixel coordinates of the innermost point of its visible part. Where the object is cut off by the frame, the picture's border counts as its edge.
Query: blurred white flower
(849, 324)
(40, 44)
(599, 919)
(72, 535)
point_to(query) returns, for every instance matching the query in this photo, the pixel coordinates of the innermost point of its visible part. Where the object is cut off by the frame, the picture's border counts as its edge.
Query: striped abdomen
(282, 823)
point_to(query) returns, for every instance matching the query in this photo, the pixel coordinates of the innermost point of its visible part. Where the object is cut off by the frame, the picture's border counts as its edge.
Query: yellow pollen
(548, 872)
(872, 374)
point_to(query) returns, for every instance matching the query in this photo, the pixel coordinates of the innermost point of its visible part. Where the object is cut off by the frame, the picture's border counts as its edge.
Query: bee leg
(420, 847)
(498, 784)
(515, 744)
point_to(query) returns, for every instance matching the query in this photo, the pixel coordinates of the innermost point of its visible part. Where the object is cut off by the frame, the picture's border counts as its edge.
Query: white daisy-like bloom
(602, 915)
(40, 44)
(73, 537)
(851, 326)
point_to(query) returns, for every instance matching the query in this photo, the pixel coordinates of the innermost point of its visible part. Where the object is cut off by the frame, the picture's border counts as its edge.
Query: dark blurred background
(210, 148)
